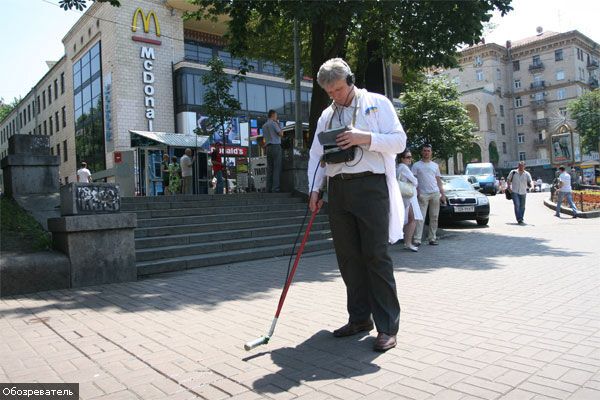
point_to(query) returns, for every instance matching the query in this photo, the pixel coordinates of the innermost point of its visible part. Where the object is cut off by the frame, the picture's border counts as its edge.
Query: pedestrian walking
(519, 181)
(272, 135)
(365, 207)
(83, 174)
(412, 210)
(430, 194)
(565, 191)
(217, 167)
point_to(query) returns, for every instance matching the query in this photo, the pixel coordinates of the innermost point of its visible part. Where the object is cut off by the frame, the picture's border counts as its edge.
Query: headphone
(350, 76)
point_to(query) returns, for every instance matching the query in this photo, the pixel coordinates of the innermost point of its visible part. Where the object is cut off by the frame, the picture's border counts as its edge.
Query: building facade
(138, 67)
(517, 95)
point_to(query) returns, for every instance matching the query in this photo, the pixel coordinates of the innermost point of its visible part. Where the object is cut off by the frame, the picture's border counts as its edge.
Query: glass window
(518, 101)
(204, 54)
(62, 83)
(503, 147)
(275, 99)
(561, 94)
(76, 80)
(539, 96)
(560, 75)
(87, 94)
(521, 137)
(96, 88)
(536, 60)
(85, 73)
(191, 51)
(256, 97)
(87, 107)
(479, 74)
(242, 95)
(563, 111)
(94, 51)
(198, 90)
(522, 156)
(226, 57)
(503, 129)
(558, 55)
(519, 119)
(501, 110)
(516, 65)
(95, 65)
(85, 59)
(189, 89)
(517, 83)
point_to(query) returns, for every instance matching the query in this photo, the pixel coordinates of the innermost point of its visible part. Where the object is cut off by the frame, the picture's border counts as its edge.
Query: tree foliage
(81, 4)
(6, 108)
(432, 113)
(585, 110)
(219, 104)
(413, 34)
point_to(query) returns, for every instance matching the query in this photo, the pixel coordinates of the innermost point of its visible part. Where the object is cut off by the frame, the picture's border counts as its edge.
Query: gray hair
(333, 70)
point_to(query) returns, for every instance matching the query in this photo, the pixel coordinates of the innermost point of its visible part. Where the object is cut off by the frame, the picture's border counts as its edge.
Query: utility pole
(297, 78)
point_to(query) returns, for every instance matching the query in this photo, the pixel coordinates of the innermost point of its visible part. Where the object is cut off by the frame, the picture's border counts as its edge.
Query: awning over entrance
(146, 138)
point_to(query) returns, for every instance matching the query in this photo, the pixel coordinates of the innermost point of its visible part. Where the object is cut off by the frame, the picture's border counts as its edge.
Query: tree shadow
(322, 357)
(205, 288)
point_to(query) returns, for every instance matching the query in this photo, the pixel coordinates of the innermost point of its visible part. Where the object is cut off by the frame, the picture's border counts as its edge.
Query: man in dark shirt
(272, 135)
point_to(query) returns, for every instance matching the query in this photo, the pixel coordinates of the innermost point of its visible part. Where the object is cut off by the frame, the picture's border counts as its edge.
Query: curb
(568, 211)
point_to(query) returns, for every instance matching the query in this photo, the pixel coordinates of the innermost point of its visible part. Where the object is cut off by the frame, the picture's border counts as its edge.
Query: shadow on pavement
(476, 250)
(320, 358)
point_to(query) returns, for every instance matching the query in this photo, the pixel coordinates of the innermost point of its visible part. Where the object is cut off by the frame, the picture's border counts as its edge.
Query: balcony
(593, 82)
(536, 67)
(540, 142)
(538, 104)
(541, 123)
(537, 85)
(592, 64)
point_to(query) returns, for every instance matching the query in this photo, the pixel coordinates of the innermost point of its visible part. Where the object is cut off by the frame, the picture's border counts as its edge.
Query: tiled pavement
(505, 311)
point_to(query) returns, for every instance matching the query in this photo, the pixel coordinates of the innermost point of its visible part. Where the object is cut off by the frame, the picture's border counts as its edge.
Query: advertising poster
(232, 130)
(244, 133)
(561, 148)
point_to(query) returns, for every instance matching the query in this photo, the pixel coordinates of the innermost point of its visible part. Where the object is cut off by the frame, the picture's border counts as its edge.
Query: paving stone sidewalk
(504, 311)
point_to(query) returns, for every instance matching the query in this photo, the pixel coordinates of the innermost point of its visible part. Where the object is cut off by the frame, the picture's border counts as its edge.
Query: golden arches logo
(145, 21)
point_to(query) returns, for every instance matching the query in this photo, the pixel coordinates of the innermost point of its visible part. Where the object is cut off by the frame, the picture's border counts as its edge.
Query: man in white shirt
(186, 163)
(564, 190)
(365, 206)
(430, 194)
(84, 174)
(519, 181)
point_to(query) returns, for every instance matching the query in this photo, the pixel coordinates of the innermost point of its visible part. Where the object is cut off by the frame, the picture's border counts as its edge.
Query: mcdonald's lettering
(147, 54)
(145, 21)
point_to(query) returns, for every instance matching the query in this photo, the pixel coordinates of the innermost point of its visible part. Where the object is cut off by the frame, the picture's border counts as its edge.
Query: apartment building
(517, 95)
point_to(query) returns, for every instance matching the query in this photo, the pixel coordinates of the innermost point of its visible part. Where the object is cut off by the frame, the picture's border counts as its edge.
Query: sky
(31, 33)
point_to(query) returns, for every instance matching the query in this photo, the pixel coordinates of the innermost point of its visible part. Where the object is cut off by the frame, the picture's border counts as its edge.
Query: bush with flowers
(586, 200)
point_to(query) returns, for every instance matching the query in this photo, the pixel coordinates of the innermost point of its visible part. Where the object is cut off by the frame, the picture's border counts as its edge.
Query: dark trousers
(519, 203)
(359, 217)
(273, 167)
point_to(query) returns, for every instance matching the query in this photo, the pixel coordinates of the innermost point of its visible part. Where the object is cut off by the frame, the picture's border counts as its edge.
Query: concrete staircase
(189, 231)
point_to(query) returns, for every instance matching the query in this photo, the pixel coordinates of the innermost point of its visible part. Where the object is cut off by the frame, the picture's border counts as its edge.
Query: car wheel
(482, 222)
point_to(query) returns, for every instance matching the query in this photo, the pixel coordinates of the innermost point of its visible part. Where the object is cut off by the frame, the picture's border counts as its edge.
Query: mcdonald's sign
(145, 21)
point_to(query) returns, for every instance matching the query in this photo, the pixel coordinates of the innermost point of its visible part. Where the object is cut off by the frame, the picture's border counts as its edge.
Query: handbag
(508, 194)
(407, 189)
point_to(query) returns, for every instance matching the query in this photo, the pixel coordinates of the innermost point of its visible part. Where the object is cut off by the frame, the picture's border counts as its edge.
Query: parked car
(463, 202)
(486, 176)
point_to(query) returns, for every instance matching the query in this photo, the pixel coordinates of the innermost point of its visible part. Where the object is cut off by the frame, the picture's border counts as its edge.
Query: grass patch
(19, 231)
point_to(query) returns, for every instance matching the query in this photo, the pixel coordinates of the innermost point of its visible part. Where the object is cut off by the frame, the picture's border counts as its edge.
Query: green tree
(219, 104)
(415, 34)
(585, 110)
(81, 4)
(6, 108)
(432, 113)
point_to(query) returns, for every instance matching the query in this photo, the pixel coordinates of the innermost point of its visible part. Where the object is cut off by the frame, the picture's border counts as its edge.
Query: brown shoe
(352, 328)
(384, 342)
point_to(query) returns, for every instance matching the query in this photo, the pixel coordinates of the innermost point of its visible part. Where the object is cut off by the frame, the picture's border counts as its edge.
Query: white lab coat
(377, 115)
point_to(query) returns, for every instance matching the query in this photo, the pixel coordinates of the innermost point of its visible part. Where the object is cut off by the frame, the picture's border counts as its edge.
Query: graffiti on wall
(93, 198)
